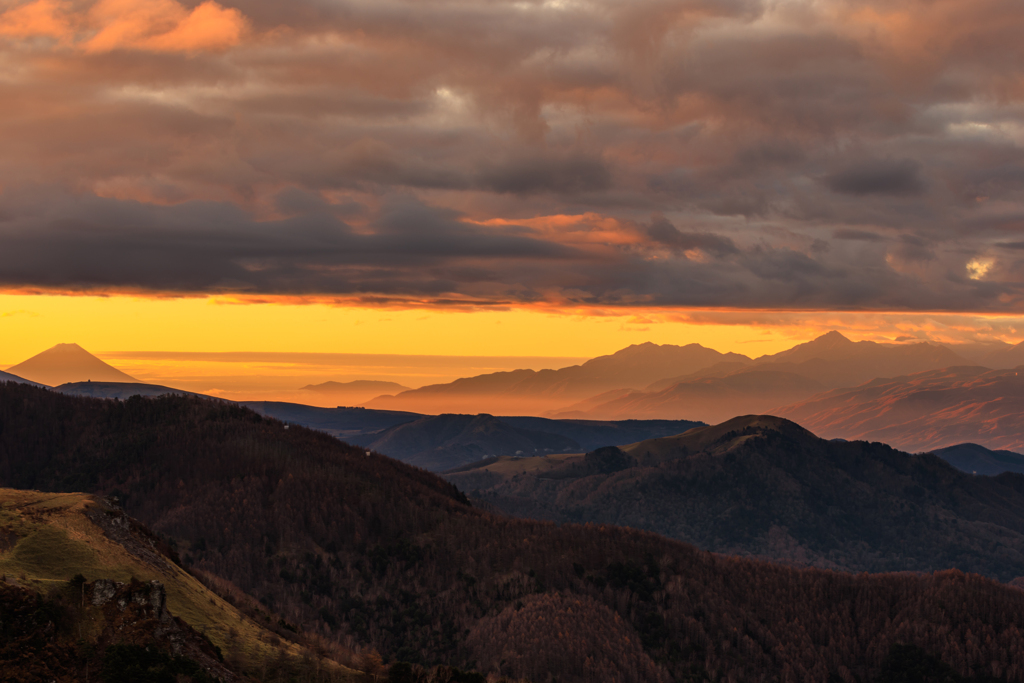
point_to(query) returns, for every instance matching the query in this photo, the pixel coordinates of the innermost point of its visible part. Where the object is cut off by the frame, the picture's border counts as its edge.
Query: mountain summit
(68, 363)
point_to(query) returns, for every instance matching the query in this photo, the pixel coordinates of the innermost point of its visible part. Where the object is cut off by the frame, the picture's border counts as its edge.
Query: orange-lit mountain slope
(923, 411)
(532, 392)
(709, 399)
(67, 363)
(723, 391)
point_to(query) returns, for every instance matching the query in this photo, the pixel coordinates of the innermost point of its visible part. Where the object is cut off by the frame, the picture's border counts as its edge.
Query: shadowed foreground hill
(87, 588)
(370, 550)
(765, 486)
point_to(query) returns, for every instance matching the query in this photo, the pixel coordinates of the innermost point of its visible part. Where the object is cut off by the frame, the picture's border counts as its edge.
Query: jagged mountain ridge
(648, 381)
(724, 391)
(530, 392)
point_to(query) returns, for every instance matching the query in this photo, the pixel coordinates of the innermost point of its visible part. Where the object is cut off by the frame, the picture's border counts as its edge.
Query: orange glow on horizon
(175, 340)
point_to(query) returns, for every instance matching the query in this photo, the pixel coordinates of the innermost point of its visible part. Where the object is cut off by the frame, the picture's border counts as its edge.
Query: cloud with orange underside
(583, 229)
(146, 25)
(45, 18)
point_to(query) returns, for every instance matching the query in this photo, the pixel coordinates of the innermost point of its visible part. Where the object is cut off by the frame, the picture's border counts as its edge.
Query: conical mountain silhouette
(68, 363)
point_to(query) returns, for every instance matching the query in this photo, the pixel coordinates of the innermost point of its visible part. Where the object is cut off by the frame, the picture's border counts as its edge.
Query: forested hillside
(764, 486)
(363, 549)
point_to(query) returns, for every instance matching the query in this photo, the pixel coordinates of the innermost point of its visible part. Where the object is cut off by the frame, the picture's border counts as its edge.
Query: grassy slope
(47, 538)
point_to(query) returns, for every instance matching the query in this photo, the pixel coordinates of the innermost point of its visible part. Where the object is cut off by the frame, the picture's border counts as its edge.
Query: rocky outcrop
(135, 613)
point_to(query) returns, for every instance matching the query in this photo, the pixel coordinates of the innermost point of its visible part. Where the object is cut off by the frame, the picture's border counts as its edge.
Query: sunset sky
(548, 178)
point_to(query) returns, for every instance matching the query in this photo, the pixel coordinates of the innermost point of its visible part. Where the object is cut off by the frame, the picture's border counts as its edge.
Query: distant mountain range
(923, 411)
(711, 399)
(355, 392)
(65, 363)
(1005, 358)
(531, 392)
(975, 459)
(764, 486)
(725, 390)
(831, 384)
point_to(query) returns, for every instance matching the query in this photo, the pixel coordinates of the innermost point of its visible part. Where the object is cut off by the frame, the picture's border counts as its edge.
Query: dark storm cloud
(216, 247)
(857, 235)
(664, 232)
(571, 175)
(892, 177)
(827, 154)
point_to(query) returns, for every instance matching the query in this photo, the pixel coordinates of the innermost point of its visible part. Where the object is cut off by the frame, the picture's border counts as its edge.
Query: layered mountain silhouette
(923, 411)
(1006, 358)
(764, 486)
(370, 551)
(355, 392)
(531, 392)
(65, 363)
(975, 459)
(709, 399)
(444, 442)
(725, 390)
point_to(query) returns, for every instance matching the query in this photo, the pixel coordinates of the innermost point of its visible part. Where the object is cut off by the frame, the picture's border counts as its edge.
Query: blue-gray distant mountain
(975, 459)
(343, 423)
(352, 393)
(444, 442)
(532, 392)
(121, 390)
(8, 377)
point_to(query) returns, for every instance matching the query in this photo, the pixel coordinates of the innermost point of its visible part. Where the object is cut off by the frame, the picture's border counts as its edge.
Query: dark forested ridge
(443, 442)
(975, 459)
(370, 550)
(765, 486)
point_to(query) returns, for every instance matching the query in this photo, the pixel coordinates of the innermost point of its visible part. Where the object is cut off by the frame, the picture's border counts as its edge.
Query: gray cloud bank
(738, 154)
